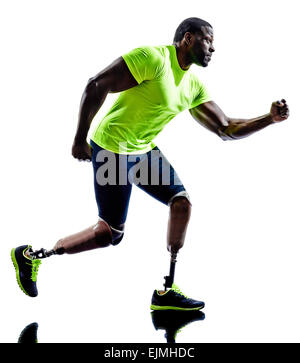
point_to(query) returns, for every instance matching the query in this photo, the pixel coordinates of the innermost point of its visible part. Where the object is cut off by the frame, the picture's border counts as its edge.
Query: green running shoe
(174, 299)
(26, 270)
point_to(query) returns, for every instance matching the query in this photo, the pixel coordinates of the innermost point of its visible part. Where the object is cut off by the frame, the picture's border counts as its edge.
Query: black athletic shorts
(114, 175)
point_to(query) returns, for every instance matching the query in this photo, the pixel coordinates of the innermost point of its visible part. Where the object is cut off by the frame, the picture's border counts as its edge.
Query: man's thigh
(112, 196)
(161, 182)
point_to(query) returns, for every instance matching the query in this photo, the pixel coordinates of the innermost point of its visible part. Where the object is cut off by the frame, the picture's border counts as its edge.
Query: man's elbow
(225, 129)
(96, 86)
(91, 86)
(224, 134)
(96, 82)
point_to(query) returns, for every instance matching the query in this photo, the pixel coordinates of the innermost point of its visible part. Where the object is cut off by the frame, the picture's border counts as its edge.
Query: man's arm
(213, 118)
(115, 78)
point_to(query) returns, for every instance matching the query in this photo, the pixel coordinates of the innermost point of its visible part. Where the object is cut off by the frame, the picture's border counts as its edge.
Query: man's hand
(81, 151)
(279, 111)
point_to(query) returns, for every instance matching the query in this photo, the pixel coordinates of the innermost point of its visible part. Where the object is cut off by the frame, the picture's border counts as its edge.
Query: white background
(242, 248)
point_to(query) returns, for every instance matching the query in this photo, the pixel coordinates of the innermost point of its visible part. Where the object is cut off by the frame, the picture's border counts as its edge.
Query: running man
(155, 84)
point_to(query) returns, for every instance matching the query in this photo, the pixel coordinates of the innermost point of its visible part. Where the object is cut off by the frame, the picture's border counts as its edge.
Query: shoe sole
(158, 307)
(14, 261)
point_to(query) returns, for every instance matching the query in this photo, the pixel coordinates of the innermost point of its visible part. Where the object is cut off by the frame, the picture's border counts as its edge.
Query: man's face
(202, 47)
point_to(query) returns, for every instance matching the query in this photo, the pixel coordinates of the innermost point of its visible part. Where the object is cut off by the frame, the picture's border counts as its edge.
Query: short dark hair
(192, 25)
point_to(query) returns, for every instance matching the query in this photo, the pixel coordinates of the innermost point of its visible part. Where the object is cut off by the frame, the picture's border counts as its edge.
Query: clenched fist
(279, 111)
(82, 151)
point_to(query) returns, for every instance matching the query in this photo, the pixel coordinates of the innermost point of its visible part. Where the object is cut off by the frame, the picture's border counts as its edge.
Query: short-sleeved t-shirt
(137, 116)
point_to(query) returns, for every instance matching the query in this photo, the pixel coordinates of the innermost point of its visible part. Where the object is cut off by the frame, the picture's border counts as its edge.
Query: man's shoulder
(154, 55)
(154, 51)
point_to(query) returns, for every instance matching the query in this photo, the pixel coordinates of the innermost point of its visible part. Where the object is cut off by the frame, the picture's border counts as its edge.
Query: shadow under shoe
(172, 321)
(29, 334)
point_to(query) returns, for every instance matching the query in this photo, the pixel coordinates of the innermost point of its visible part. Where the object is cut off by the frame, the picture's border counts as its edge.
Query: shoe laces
(178, 291)
(34, 268)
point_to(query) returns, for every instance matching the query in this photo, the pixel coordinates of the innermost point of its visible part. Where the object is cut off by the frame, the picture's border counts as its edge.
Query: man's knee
(180, 203)
(116, 232)
(102, 232)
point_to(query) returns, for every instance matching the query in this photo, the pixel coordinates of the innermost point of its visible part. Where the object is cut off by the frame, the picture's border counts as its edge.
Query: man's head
(195, 37)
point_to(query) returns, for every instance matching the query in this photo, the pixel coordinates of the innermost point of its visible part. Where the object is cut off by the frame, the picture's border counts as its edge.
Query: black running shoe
(173, 321)
(29, 334)
(174, 299)
(26, 270)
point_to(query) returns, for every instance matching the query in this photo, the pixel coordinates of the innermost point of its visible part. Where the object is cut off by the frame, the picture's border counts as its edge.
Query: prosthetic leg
(42, 253)
(96, 236)
(170, 278)
(180, 210)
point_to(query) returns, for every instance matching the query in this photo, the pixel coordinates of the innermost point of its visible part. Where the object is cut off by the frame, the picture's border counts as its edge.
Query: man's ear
(188, 38)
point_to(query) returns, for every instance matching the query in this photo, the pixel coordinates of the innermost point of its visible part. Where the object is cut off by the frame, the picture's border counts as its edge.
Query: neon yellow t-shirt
(141, 112)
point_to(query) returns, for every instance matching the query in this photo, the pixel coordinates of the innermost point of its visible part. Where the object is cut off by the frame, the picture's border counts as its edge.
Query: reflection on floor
(173, 321)
(170, 321)
(29, 334)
